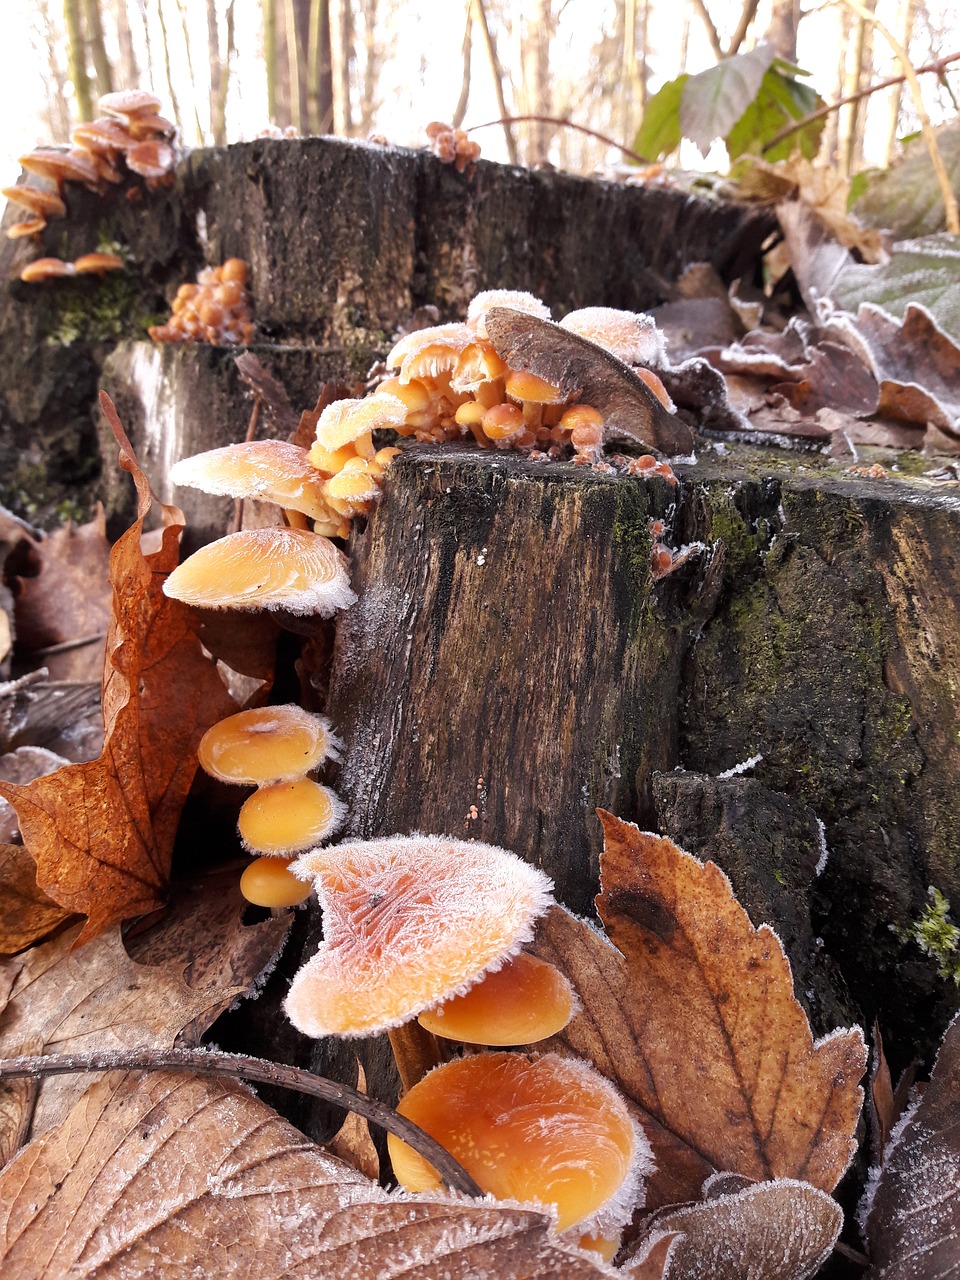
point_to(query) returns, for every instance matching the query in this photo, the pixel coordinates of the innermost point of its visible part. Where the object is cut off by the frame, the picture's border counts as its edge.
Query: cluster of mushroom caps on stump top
(425, 927)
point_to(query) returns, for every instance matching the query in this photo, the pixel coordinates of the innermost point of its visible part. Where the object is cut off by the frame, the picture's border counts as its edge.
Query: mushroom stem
(415, 1051)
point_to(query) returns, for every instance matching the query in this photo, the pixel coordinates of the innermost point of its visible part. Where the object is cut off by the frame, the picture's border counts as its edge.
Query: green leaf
(714, 100)
(780, 99)
(659, 131)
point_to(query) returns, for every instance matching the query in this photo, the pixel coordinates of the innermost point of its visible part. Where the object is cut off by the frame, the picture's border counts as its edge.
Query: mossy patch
(93, 310)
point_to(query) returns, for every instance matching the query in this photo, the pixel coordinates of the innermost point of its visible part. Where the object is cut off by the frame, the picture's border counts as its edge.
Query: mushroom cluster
(433, 928)
(453, 383)
(215, 309)
(452, 146)
(276, 749)
(130, 136)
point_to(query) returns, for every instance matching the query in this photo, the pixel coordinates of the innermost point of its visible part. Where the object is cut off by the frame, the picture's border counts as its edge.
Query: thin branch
(497, 70)
(950, 209)
(713, 35)
(747, 15)
(820, 112)
(565, 124)
(207, 1063)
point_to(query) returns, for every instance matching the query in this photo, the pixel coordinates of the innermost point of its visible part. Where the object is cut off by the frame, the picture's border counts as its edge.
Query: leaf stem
(562, 122)
(206, 1062)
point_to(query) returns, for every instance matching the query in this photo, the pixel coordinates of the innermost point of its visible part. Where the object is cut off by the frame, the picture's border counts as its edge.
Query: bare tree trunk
(536, 39)
(216, 70)
(341, 32)
(198, 127)
(56, 113)
(907, 12)
(77, 59)
(782, 28)
(460, 110)
(128, 71)
(167, 66)
(319, 69)
(293, 63)
(850, 125)
(218, 123)
(496, 68)
(98, 50)
(372, 66)
(148, 43)
(269, 11)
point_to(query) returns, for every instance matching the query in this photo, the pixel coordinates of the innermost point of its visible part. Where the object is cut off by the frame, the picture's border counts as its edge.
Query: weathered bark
(292, 210)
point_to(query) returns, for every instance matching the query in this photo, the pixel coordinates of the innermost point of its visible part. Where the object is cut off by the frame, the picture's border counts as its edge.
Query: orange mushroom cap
(449, 339)
(527, 386)
(525, 1000)
(45, 204)
(29, 227)
(268, 883)
(125, 103)
(46, 269)
(101, 135)
(630, 335)
(151, 159)
(267, 744)
(291, 569)
(286, 817)
(547, 1129)
(345, 421)
(515, 299)
(264, 470)
(62, 166)
(97, 263)
(409, 921)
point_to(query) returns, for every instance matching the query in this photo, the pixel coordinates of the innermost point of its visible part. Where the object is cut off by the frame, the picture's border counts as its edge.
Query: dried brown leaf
(782, 1230)
(102, 833)
(352, 1142)
(269, 390)
(882, 1107)
(170, 1176)
(581, 368)
(26, 913)
(66, 596)
(913, 1221)
(736, 1081)
(190, 967)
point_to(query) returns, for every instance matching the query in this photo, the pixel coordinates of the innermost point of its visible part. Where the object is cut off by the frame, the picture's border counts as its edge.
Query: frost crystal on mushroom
(409, 921)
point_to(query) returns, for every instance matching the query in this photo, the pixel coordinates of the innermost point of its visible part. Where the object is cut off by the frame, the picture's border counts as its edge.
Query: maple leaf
(783, 1229)
(102, 833)
(167, 1174)
(26, 913)
(912, 1207)
(691, 1012)
(190, 967)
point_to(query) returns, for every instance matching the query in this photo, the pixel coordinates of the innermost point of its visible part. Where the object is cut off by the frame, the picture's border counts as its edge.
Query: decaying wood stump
(511, 664)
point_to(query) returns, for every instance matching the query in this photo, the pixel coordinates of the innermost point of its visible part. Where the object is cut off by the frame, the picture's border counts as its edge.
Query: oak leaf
(913, 1203)
(190, 967)
(102, 833)
(691, 1012)
(178, 1175)
(782, 1230)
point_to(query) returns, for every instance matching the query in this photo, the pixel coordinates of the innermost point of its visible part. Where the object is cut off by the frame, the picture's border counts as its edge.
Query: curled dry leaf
(352, 1141)
(174, 1175)
(783, 1230)
(195, 962)
(736, 1082)
(596, 377)
(26, 913)
(102, 833)
(913, 1217)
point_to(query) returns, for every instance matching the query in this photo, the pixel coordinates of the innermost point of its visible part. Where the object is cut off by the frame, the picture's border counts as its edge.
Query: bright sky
(422, 79)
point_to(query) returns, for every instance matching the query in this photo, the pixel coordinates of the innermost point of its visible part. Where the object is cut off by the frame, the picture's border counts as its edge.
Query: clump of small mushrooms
(452, 146)
(216, 309)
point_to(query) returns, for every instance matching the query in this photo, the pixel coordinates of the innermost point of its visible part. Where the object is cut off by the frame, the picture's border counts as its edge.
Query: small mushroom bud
(268, 883)
(287, 817)
(526, 1000)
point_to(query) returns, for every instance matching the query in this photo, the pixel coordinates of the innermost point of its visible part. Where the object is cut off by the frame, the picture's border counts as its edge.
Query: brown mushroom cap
(409, 921)
(46, 269)
(549, 1129)
(128, 102)
(46, 204)
(151, 159)
(101, 135)
(264, 470)
(98, 263)
(267, 744)
(289, 569)
(29, 227)
(62, 166)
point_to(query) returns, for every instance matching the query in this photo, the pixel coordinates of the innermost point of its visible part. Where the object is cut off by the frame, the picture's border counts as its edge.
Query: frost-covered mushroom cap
(515, 299)
(291, 569)
(629, 335)
(344, 421)
(408, 921)
(266, 470)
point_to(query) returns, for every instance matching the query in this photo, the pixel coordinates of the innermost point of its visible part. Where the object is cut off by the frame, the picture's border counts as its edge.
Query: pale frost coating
(291, 569)
(409, 921)
(266, 470)
(743, 767)
(456, 336)
(344, 421)
(629, 335)
(515, 299)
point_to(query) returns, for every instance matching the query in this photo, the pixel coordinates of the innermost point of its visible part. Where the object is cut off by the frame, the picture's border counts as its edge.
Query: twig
(566, 124)
(65, 646)
(208, 1063)
(950, 209)
(795, 127)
